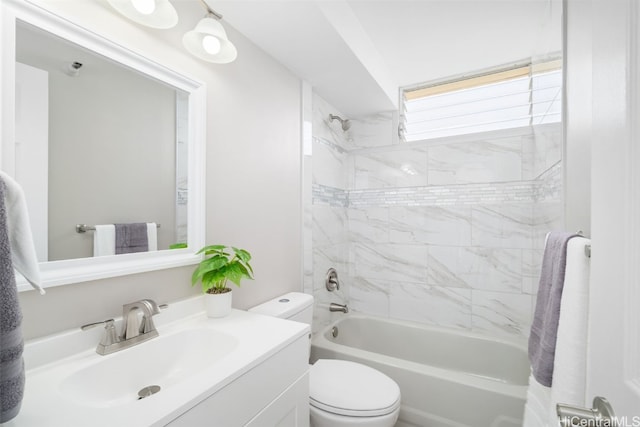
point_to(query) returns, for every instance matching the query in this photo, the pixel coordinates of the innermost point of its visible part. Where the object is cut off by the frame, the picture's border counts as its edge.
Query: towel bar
(83, 228)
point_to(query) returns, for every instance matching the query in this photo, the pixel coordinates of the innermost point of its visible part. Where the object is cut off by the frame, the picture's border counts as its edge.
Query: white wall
(253, 176)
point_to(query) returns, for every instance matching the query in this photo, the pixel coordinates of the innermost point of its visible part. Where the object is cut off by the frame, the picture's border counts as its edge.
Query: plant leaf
(233, 273)
(212, 249)
(208, 265)
(242, 254)
(245, 257)
(245, 272)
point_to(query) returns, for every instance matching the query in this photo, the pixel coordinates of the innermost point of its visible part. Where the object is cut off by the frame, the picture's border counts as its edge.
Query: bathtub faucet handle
(331, 281)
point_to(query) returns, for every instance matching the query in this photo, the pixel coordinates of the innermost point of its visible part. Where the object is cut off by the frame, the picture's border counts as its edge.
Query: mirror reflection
(97, 143)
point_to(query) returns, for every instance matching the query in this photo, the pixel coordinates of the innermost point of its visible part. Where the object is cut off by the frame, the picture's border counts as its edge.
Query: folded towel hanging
(131, 238)
(152, 236)
(115, 239)
(104, 240)
(23, 251)
(12, 377)
(544, 328)
(570, 362)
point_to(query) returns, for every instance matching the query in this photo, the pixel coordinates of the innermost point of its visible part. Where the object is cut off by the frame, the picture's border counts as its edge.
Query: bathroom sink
(118, 378)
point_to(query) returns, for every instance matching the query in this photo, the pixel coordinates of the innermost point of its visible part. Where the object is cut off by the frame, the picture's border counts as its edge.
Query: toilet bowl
(344, 393)
(341, 393)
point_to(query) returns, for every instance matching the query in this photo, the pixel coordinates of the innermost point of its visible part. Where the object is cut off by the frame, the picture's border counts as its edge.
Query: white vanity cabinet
(273, 393)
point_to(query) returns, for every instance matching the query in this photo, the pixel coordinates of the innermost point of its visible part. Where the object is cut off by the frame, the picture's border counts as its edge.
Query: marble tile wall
(447, 232)
(329, 197)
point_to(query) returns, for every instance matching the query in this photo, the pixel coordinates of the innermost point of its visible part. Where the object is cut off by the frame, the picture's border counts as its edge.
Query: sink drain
(148, 391)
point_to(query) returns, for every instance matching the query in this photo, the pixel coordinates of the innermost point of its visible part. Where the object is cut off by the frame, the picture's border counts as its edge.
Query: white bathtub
(447, 377)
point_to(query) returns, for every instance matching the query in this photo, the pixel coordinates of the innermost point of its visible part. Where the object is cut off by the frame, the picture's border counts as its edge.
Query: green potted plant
(220, 265)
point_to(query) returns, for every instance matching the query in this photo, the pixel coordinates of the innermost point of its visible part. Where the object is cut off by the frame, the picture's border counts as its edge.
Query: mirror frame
(56, 273)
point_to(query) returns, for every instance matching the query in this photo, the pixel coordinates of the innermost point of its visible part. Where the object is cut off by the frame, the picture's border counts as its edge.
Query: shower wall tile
(475, 162)
(504, 226)
(368, 225)
(433, 305)
(330, 196)
(548, 187)
(329, 164)
(397, 168)
(430, 224)
(548, 148)
(378, 130)
(369, 296)
(329, 225)
(391, 262)
(548, 216)
(501, 313)
(477, 268)
(531, 266)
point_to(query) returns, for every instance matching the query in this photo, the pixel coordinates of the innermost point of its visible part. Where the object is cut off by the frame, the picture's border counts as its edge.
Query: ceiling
(357, 53)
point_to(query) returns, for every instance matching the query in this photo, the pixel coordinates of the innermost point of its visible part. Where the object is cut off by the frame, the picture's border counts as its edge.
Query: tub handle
(331, 281)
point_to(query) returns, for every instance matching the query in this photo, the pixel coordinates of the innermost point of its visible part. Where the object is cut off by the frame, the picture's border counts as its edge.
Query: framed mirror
(97, 134)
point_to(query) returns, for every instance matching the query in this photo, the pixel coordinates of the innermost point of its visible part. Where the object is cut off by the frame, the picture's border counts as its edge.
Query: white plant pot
(218, 305)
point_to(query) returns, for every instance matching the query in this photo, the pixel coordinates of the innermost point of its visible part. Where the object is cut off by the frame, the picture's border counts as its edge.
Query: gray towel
(12, 376)
(131, 238)
(544, 329)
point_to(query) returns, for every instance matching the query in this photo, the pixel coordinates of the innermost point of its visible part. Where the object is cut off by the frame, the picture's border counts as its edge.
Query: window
(522, 96)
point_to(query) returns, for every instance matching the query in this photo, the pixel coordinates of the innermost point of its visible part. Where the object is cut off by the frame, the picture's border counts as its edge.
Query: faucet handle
(94, 324)
(110, 336)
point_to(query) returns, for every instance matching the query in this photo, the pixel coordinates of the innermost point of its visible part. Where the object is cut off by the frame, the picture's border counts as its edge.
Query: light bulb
(145, 7)
(211, 44)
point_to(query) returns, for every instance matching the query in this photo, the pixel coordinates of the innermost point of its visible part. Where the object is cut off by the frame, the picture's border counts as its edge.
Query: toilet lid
(348, 388)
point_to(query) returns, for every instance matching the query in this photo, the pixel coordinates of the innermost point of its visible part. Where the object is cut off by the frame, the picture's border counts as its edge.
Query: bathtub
(447, 377)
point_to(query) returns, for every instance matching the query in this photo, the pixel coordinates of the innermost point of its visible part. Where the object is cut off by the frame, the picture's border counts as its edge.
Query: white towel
(152, 236)
(538, 402)
(569, 373)
(104, 240)
(23, 251)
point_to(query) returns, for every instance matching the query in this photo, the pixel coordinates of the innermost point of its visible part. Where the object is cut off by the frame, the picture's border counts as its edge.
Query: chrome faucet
(134, 329)
(338, 307)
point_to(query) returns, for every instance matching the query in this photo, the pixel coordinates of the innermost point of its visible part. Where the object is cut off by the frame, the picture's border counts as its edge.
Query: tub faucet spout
(338, 307)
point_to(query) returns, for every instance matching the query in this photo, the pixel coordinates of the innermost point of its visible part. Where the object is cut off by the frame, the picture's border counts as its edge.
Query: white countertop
(51, 360)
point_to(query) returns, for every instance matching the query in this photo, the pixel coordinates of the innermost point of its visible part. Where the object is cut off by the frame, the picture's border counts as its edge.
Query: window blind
(523, 96)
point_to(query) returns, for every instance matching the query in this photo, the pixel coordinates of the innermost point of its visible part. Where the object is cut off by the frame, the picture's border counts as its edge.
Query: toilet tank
(293, 306)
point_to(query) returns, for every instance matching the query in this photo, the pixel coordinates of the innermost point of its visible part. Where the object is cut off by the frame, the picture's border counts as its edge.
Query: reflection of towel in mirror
(104, 240)
(152, 236)
(11, 344)
(23, 251)
(131, 238)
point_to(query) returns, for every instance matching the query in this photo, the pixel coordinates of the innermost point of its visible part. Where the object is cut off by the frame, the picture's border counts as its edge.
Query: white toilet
(342, 393)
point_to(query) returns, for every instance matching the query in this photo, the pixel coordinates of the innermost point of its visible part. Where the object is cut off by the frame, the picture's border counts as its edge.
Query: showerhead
(346, 123)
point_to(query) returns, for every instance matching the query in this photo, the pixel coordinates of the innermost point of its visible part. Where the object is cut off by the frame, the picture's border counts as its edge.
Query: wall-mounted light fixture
(152, 13)
(208, 40)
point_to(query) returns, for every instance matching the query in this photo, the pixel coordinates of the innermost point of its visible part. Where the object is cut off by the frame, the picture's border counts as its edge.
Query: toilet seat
(352, 389)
